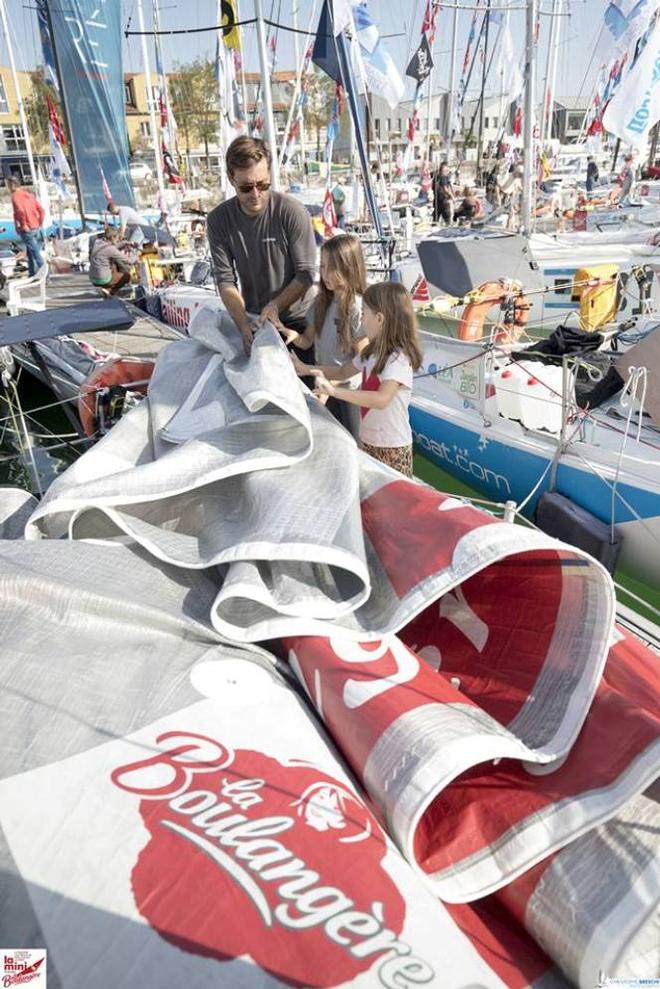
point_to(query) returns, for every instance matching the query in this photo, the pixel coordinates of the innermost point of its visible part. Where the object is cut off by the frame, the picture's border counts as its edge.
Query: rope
(636, 379)
(621, 498)
(28, 443)
(450, 367)
(587, 413)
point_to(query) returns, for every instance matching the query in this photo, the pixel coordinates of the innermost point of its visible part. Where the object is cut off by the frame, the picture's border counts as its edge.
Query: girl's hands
(301, 369)
(289, 336)
(323, 389)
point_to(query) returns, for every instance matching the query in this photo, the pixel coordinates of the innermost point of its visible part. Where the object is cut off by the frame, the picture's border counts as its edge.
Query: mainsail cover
(448, 743)
(87, 42)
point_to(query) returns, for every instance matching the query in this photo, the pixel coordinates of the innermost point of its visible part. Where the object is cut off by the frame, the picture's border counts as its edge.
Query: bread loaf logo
(249, 857)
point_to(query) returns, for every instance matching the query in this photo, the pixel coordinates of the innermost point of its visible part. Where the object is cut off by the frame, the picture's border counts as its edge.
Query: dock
(145, 339)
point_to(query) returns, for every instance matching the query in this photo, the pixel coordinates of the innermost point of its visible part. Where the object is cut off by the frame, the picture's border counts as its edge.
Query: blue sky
(401, 18)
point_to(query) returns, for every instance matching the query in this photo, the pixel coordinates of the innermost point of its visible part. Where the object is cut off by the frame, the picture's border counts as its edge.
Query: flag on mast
(170, 168)
(421, 63)
(430, 19)
(231, 33)
(329, 215)
(635, 107)
(381, 75)
(59, 165)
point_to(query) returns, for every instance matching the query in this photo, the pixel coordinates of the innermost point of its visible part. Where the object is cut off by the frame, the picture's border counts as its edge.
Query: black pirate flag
(421, 63)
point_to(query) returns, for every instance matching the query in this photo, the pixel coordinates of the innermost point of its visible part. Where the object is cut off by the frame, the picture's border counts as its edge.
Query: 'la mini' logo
(23, 966)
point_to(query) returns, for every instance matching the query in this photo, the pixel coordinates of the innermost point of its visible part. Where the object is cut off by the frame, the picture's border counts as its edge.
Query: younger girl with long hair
(387, 364)
(334, 324)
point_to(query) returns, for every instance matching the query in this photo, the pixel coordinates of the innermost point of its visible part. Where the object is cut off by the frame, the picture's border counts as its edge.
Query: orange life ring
(489, 294)
(119, 371)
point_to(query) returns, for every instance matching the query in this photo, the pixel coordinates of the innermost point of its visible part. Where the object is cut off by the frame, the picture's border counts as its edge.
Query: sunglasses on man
(249, 186)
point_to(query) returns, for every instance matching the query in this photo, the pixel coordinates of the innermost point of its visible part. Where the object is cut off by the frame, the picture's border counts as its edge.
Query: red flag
(420, 290)
(517, 121)
(428, 17)
(339, 96)
(163, 111)
(329, 215)
(55, 122)
(426, 181)
(169, 167)
(412, 126)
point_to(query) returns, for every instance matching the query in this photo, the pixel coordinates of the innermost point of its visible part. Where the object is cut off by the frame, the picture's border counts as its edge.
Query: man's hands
(247, 332)
(270, 314)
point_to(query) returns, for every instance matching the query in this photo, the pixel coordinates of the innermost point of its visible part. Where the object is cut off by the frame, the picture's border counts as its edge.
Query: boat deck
(146, 338)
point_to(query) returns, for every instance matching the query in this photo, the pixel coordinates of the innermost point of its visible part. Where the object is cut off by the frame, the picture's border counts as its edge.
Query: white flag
(44, 198)
(380, 73)
(624, 22)
(342, 15)
(635, 108)
(508, 65)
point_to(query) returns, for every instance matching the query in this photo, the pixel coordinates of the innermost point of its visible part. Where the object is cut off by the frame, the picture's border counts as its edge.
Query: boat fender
(560, 517)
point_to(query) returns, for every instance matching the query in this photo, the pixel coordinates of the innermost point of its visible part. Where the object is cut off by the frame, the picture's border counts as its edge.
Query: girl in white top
(387, 364)
(333, 324)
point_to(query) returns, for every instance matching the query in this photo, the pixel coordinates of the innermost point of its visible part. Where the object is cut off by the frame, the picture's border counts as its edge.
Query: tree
(207, 112)
(194, 98)
(318, 107)
(182, 98)
(36, 110)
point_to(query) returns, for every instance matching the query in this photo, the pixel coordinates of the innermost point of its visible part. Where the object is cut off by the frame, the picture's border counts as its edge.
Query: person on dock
(592, 174)
(443, 195)
(264, 242)
(625, 178)
(334, 321)
(469, 207)
(28, 219)
(339, 202)
(387, 364)
(128, 216)
(493, 191)
(109, 268)
(512, 188)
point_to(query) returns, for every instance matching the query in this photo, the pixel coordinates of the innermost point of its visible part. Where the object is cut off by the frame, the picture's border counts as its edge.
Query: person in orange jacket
(28, 219)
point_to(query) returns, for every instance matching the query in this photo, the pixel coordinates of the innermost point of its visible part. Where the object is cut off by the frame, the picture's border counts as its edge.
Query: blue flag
(325, 48)
(86, 38)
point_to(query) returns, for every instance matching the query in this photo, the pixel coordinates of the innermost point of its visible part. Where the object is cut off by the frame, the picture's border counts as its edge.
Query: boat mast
(429, 97)
(223, 54)
(162, 77)
(17, 90)
(267, 95)
(243, 83)
(152, 109)
(653, 144)
(551, 72)
(296, 56)
(528, 123)
(482, 98)
(449, 122)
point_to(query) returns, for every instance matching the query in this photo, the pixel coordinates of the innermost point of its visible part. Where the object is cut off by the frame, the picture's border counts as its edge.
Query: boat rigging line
(291, 30)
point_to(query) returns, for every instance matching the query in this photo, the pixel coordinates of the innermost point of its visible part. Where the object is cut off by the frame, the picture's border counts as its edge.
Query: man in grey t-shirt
(262, 241)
